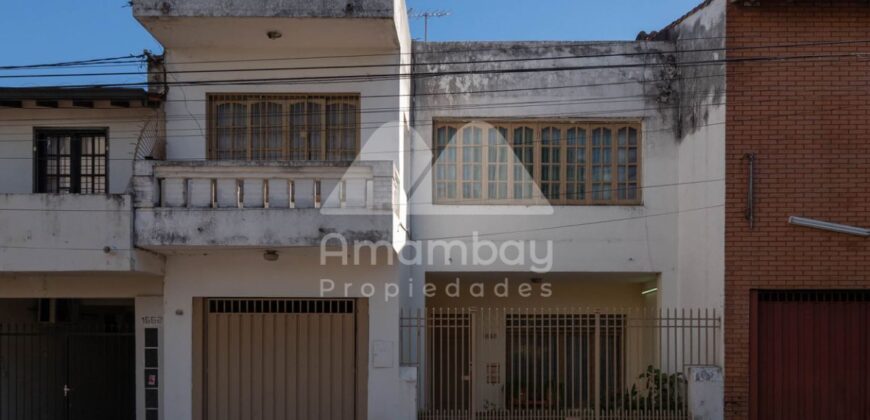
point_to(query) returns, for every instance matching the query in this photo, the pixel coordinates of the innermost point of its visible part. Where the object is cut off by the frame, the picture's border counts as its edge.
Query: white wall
(16, 141)
(678, 231)
(701, 253)
(297, 273)
(70, 232)
(186, 105)
(384, 102)
(79, 285)
(639, 239)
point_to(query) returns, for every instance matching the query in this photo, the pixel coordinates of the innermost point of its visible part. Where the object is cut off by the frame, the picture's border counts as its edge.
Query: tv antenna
(425, 15)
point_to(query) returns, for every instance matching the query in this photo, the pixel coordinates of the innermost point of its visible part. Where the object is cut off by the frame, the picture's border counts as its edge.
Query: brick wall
(808, 121)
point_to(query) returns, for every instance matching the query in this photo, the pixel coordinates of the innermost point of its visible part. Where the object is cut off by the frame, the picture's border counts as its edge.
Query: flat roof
(77, 93)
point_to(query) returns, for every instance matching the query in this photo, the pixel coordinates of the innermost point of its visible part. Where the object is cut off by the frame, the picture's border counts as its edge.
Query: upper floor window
(283, 127)
(524, 162)
(71, 161)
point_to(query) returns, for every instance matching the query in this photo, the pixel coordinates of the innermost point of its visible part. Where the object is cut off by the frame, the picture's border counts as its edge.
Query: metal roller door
(810, 355)
(280, 359)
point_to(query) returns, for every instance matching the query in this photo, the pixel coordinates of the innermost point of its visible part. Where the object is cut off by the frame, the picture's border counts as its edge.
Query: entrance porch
(552, 352)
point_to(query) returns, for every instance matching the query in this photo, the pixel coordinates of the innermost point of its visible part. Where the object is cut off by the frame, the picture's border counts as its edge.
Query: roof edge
(662, 34)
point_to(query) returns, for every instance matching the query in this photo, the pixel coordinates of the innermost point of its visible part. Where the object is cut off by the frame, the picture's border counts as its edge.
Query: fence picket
(549, 363)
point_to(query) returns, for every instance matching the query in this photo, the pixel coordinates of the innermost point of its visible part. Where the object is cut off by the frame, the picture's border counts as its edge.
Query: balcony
(213, 204)
(70, 232)
(297, 23)
(267, 8)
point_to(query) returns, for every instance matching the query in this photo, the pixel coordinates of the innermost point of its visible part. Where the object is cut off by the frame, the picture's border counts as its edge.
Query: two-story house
(305, 214)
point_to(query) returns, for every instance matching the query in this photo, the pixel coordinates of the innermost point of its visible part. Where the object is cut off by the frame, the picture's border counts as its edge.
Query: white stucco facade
(137, 243)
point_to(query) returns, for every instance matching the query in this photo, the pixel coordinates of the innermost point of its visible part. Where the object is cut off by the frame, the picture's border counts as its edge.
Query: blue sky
(62, 30)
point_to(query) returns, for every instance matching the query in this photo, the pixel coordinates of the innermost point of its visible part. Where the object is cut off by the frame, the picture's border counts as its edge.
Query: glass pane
(231, 126)
(315, 130)
(266, 130)
(298, 146)
(341, 127)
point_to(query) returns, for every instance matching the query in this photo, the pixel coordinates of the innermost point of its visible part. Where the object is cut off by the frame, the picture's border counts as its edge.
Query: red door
(810, 355)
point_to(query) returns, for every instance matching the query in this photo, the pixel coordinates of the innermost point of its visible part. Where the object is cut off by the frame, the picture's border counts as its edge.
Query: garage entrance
(810, 355)
(68, 359)
(281, 358)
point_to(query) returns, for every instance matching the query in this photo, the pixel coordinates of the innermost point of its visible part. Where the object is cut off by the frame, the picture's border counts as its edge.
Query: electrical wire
(141, 57)
(95, 61)
(475, 72)
(448, 63)
(416, 203)
(506, 44)
(479, 234)
(471, 106)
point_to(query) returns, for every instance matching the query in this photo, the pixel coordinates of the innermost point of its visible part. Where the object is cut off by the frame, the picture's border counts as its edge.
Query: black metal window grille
(71, 161)
(285, 306)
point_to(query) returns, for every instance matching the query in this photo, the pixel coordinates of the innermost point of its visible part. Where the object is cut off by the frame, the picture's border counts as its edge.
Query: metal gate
(810, 355)
(74, 372)
(556, 363)
(280, 358)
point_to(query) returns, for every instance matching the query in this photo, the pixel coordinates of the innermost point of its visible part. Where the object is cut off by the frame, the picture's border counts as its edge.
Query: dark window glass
(71, 162)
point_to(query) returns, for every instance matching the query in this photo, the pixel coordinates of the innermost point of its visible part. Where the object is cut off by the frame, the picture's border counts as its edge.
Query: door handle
(66, 390)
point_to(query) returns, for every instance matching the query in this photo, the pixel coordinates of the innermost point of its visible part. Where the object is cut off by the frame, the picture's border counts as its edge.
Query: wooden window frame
(286, 101)
(76, 155)
(537, 126)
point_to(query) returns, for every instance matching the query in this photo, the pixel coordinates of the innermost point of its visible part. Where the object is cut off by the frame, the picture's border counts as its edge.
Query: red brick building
(806, 121)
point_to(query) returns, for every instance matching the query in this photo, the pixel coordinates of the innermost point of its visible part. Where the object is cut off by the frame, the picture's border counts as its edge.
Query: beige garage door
(280, 359)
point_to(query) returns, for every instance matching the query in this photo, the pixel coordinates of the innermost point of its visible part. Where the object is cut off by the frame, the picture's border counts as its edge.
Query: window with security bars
(493, 162)
(552, 359)
(71, 161)
(283, 127)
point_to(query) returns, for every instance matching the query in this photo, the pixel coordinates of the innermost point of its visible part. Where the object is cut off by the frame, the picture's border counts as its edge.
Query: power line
(505, 44)
(591, 191)
(94, 61)
(502, 46)
(644, 131)
(478, 62)
(467, 106)
(578, 117)
(465, 236)
(570, 225)
(383, 110)
(612, 113)
(641, 81)
(420, 75)
(400, 95)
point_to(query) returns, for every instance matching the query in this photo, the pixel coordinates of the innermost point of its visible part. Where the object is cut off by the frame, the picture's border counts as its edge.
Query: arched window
(601, 162)
(342, 130)
(498, 154)
(445, 162)
(551, 162)
(231, 131)
(523, 143)
(575, 165)
(627, 164)
(267, 130)
(556, 162)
